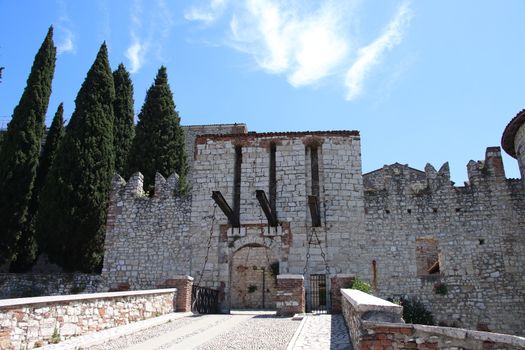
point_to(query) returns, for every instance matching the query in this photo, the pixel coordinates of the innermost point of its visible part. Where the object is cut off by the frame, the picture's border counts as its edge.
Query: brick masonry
(184, 285)
(290, 295)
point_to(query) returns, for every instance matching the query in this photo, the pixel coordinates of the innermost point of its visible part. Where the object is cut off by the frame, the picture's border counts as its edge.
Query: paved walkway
(206, 332)
(321, 332)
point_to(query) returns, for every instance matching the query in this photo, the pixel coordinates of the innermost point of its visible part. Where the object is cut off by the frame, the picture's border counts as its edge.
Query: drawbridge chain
(209, 245)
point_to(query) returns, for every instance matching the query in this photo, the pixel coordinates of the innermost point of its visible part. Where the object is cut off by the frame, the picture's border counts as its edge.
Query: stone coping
(181, 277)
(72, 297)
(456, 333)
(363, 302)
(290, 277)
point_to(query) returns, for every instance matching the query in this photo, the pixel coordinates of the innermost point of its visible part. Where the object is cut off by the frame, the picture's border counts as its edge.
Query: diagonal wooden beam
(266, 207)
(226, 209)
(313, 203)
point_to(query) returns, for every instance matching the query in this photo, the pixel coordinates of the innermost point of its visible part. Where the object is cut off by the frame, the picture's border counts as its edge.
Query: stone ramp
(206, 332)
(321, 332)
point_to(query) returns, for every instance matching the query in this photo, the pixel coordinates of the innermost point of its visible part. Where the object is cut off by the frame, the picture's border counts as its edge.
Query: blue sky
(423, 81)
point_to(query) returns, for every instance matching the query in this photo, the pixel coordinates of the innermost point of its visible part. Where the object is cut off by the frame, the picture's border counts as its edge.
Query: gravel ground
(139, 337)
(258, 332)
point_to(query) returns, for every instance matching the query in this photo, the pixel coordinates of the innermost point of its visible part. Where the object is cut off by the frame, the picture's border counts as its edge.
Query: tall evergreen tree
(27, 246)
(159, 140)
(71, 224)
(21, 149)
(123, 129)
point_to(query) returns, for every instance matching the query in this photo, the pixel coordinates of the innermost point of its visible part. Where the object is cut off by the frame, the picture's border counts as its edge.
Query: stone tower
(513, 140)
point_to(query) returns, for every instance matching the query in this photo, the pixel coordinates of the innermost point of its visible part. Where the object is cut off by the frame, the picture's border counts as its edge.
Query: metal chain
(307, 253)
(209, 245)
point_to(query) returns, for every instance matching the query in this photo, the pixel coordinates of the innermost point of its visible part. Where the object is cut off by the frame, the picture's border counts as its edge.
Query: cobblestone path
(211, 332)
(322, 332)
(206, 332)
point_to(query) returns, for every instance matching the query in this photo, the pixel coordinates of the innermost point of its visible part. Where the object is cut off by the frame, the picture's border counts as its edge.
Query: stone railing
(374, 323)
(33, 322)
(290, 295)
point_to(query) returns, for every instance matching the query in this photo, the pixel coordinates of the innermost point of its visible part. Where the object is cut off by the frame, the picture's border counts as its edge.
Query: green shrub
(361, 285)
(415, 312)
(440, 288)
(55, 338)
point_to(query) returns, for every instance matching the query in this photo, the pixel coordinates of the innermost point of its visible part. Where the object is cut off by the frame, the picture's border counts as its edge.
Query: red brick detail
(184, 285)
(337, 284)
(290, 296)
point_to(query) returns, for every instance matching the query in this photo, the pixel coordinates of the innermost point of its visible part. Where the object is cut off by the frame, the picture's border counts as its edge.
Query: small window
(427, 256)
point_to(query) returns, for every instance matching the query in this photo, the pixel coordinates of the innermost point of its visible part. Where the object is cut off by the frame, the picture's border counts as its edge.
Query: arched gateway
(254, 270)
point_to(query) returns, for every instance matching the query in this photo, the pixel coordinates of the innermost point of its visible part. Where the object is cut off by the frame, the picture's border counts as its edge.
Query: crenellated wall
(146, 237)
(406, 231)
(478, 232)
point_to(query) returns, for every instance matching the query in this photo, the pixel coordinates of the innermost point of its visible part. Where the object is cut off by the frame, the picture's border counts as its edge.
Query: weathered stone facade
(406, 231)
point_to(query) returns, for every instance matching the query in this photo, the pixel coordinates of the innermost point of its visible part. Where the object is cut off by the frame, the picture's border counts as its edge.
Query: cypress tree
(71, 224)
(21, 149)
(123, 129)
(27, 246)
(159, 140)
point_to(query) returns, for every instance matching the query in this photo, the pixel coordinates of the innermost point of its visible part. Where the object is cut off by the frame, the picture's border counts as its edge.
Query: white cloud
(66, 37)
(208, 13)
(159, 21)
(305, 41)
(282, 38)
(370, 55)
(135, 54)
(66, 44)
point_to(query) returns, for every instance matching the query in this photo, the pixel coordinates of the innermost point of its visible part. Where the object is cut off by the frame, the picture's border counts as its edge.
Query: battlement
(402, 178)
(134, 188)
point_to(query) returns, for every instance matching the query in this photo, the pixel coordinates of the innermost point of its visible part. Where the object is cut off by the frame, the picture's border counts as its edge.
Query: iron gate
(317, 302)
(204, 300)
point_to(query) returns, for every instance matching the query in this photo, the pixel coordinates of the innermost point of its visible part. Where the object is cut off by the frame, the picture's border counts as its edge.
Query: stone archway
(254, 270)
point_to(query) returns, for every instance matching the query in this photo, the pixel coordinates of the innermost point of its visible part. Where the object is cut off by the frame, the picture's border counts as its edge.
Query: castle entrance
(254, 271)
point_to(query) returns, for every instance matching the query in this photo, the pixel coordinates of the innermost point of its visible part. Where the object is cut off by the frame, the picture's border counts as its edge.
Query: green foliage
(123, 129)
(21, 148)
(159, 140)
(440, 288)
(71, 224)
(27, 246)
(55, 337)
(361, 285)
(415, 312)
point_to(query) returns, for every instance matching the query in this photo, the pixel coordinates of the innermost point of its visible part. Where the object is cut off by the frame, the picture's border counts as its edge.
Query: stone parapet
(374, 323)
(290, 295)
(33, 322)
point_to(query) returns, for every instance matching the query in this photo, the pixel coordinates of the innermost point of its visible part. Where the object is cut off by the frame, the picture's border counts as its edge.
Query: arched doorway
(254, 271)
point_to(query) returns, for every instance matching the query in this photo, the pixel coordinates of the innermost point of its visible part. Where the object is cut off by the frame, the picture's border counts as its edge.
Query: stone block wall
(146, 237)
(290, 295)
(19, 285)
(30, 322)
(341, 202)
(478, 233)
(375, 324)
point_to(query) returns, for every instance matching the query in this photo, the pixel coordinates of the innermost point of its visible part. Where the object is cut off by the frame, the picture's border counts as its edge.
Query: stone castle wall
(478, 231)
(408, 232)
(146, 238)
